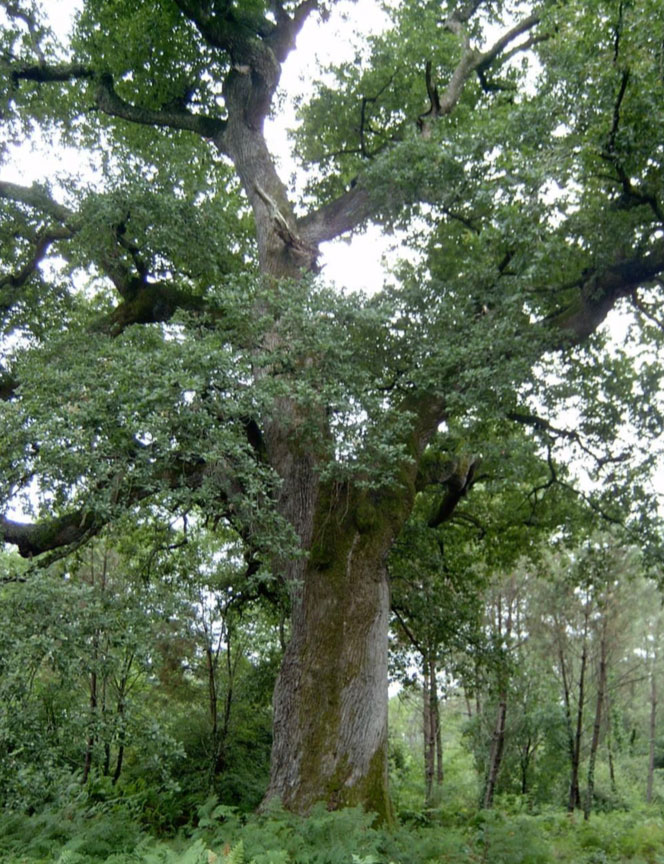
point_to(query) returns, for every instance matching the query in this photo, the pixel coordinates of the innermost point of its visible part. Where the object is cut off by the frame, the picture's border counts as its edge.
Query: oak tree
(171, 348)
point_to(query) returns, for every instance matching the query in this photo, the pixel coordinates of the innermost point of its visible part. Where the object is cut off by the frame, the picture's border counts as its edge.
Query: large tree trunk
(330, 703)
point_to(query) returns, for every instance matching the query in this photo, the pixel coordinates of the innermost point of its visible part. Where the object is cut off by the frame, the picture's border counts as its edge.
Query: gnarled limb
(11, 282)
(108, 101)
(37, 198)
(352, 208)
(598, 292)
(338, 217)
(35, 538)
(143, 301)
(80, 525)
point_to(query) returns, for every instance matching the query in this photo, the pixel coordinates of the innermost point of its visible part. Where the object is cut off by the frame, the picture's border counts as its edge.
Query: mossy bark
(330, 706)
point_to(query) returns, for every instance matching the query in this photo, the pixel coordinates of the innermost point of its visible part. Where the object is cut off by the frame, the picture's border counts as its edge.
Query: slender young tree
(173, 350)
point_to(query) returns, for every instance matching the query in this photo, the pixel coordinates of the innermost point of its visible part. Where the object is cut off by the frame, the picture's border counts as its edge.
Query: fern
(236, 855)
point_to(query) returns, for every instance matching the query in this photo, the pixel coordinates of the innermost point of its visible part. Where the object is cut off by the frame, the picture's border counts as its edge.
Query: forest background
(242, 499)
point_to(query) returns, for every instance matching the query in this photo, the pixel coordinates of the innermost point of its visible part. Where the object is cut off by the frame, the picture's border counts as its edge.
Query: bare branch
(594, 506)
(472, 61)
(543, 425)
(406, 629)
(353, 207)
(364, 120)
(434, 97)
(487, 57)
(631, 196)
(611, 143)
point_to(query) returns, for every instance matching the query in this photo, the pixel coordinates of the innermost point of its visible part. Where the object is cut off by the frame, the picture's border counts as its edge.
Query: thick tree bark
(330, 703)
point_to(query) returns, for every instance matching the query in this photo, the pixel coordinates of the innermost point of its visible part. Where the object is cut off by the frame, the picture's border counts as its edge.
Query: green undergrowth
(224, 836)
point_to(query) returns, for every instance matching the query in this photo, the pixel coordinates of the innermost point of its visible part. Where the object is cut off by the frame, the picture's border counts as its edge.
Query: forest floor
(223, 836)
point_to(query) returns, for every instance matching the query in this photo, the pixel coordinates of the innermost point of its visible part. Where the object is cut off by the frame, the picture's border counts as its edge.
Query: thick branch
(245, 36)
(487, 57)
(37, 197)
(458, 484)
(345, 213)
(282, 39)
(46, 73)
(34, 539)
(149, 303)
(600, 291)
(222, 28)
(110, 103)
(77, 527)
(12, 281)
(353, 207)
